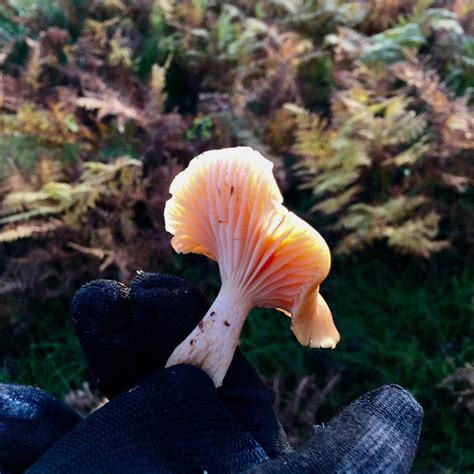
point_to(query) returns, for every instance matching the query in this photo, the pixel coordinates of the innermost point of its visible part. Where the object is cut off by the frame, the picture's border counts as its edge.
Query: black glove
(175, 421)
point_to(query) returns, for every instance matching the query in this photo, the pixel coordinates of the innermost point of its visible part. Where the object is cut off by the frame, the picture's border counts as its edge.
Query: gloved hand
(174, 420)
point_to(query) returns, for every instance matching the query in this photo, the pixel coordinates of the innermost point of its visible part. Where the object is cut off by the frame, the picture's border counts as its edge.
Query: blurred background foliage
(365, 108)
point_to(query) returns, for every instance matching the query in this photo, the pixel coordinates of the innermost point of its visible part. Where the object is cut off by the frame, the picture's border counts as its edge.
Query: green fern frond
(123, 171)
(393, 211)
(405, 129)
(69, 201)
(341, 169)
(392, 222)
(417, 236)
(29, 230)
(332, 181)
(334, 204)
(58, 194)
(385, 122)
(50, 127)
(331, 161)
(411, 155)
(311, 139)
(28, 215)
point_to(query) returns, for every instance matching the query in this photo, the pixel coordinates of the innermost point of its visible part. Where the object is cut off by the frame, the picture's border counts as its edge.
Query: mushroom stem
(212, 343)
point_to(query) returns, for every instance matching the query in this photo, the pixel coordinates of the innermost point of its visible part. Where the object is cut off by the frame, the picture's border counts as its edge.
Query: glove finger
(172, 421)
(377, 433)
(247, 397)
(102, 318)
(128, 334)
(165, 309)
(31, 421)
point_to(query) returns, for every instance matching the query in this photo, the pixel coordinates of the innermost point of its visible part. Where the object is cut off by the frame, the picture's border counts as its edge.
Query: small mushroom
(227, 206)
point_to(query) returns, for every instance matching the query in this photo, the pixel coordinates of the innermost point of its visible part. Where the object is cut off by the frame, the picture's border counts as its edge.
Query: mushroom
(226, 205)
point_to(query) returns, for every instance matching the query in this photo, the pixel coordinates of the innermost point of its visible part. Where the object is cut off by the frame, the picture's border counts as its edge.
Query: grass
(398, 325)
(48, 355)
(401, 328)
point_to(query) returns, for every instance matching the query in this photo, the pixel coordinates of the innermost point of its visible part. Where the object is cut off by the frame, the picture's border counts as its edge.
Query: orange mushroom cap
(227, 206)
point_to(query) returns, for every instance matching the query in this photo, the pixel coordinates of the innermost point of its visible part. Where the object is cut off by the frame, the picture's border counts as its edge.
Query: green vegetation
(48, 356)
(365, 108)
(396, 328)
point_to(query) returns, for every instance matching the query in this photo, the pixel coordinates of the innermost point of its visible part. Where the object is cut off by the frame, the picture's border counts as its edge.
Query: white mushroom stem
(212, 343)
